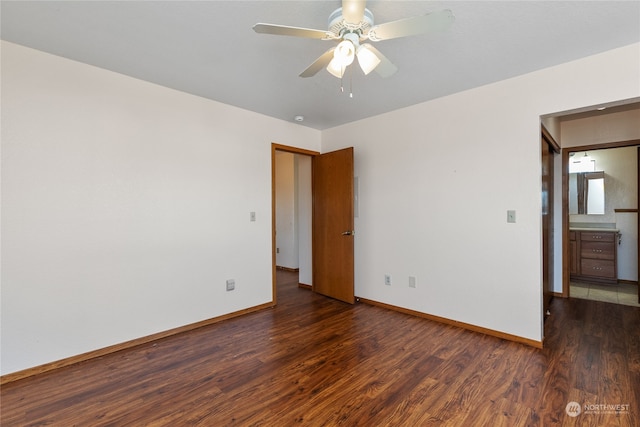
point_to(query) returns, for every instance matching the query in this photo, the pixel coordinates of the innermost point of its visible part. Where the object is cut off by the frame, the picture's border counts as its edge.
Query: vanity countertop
(616, 230)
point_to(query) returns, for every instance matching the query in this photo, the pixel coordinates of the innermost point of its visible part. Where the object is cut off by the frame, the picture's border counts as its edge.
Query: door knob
(348, 233)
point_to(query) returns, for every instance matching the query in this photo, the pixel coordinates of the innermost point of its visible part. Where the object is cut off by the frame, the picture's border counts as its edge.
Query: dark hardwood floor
(319, 362)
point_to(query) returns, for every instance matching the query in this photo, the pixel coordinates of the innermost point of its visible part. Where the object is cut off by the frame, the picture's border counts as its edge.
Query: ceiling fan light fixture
(344, 53)
(336, 68)
(367, 59)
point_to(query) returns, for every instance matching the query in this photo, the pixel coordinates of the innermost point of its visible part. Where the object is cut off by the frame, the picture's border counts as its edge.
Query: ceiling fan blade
(318, 64)
(386, 67)
(285, 30)
(431, 22)
(353, 11)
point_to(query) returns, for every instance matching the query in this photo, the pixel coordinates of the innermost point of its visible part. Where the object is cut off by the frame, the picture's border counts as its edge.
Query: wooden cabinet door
(573, 261)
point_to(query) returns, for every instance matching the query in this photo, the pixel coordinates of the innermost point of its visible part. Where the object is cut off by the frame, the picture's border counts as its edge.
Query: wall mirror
(586, 193)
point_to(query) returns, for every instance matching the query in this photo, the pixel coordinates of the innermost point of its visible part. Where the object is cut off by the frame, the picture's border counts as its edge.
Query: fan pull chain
(344, 69)
(351, 83)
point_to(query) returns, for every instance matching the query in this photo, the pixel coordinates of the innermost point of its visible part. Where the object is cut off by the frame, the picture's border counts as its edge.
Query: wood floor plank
(500, 413)
(315, 361)
(588, 359)
(555, 388)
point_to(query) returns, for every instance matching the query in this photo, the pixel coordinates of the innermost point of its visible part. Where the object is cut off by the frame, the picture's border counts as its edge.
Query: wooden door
(548, 146)
(333, 225)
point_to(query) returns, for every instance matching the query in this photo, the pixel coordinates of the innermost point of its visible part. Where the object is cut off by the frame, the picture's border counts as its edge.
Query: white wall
(305, 205)
(552, 124)
(619, 126)
(627, 223)
(436, 180)
(125, 207)
(557, 222)
(286, 211)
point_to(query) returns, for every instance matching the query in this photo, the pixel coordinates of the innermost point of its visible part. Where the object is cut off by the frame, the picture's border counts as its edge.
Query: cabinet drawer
(598, 267)
(597, 236)
(597, 250)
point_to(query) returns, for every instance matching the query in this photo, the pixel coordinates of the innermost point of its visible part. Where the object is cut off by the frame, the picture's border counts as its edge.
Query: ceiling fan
(353, 24)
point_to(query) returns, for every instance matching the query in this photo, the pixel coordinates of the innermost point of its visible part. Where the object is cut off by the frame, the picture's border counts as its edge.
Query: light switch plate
(412, 281)
(511, 216)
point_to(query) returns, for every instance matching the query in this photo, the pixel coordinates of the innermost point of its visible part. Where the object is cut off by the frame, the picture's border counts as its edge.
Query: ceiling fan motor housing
(339, 27)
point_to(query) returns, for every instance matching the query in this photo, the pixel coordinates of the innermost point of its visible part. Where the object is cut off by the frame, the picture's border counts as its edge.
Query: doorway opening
(329, 244)
(291, 215)
(601, 271)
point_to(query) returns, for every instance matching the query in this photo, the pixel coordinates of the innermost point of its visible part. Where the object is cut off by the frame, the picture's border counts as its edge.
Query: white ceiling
(208, 48)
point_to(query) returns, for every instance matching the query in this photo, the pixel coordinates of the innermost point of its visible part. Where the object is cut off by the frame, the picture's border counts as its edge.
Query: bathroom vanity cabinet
(594, 255)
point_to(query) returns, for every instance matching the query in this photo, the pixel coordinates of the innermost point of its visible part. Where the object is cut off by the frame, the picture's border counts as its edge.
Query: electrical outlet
(412, 281)
(387, 279)
(231, 284)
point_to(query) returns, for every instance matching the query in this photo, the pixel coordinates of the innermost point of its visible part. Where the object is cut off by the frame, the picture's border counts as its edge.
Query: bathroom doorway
(617, 163)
